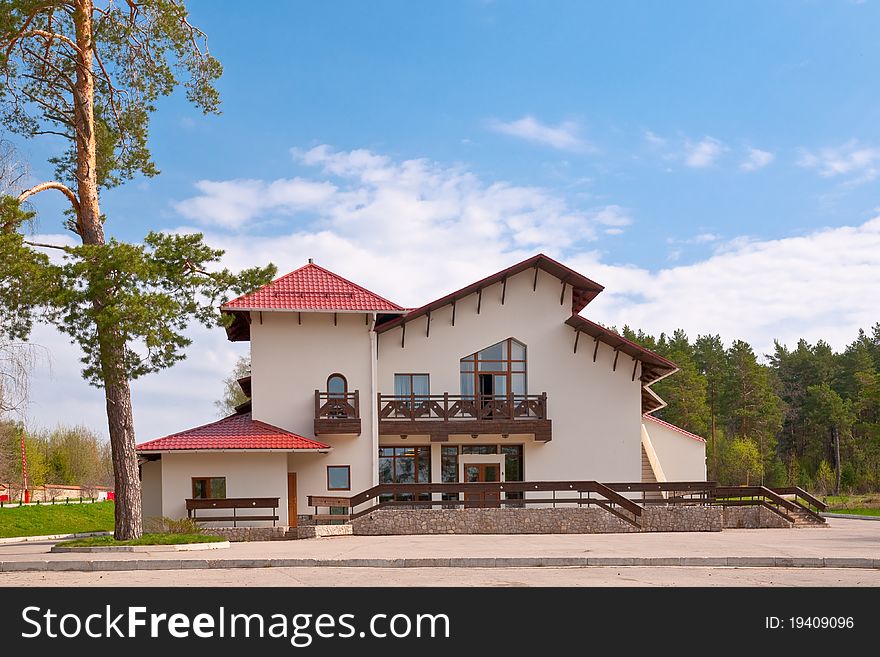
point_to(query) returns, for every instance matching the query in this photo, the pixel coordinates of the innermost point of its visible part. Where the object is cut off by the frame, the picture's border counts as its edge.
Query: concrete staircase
(803, 518)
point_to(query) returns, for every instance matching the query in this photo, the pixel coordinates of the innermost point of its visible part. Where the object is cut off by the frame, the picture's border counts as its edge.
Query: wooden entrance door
(291, 499)
(478, 473)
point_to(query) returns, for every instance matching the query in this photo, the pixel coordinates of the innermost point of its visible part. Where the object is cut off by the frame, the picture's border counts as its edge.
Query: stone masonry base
(241, 534)
(534, 521)
(752, 517)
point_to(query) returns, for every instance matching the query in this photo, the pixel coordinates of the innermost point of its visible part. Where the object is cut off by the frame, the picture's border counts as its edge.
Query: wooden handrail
(575, 488)
(335, 406)
(468, 407)
(797, 491)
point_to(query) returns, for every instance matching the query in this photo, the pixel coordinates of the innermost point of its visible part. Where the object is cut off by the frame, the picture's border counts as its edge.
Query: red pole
(27, 493)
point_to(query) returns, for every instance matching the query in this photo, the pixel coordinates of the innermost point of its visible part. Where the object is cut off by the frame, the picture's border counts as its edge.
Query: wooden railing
(234, 503)
(802, 498)
(336, 406)
(463, 407)
(479, 495)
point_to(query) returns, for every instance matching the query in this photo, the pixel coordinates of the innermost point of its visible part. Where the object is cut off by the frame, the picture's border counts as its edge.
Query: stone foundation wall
(241, 534)
(319, 531)
(752, 517)
(534, 521)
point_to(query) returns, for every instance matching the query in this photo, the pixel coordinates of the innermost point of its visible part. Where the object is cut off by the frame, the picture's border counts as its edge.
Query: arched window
(337, 386)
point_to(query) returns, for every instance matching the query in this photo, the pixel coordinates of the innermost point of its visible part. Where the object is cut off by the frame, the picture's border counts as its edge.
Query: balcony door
(480, 473)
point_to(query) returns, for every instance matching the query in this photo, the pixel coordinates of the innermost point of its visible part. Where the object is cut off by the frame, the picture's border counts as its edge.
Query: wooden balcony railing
(447, 407)
(337, 413)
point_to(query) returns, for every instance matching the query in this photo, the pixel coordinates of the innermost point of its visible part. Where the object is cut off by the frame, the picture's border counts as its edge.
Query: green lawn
(856, 511)
(146, 539)
(56, 519)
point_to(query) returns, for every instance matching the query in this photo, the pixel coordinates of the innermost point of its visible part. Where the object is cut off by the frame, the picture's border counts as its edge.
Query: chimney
(311, 262)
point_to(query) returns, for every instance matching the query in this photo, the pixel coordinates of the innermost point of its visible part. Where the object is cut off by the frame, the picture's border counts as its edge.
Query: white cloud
(654, 139)
(563, 136)
(233, 203)
(756, 159)
(704, 153)
(861, 163)
(821, 285)
(415, 230)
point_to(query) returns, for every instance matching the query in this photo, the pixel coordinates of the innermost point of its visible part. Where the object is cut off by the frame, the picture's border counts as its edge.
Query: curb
(185, 547)
(449, 562)
(851, 516)
(49, 537)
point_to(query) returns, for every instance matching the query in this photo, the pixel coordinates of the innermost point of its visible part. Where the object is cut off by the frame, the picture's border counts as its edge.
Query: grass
(146, 539)
(56, 519)
(859, 505)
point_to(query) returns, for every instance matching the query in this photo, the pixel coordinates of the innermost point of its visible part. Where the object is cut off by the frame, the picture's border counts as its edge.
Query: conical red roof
(312, 288)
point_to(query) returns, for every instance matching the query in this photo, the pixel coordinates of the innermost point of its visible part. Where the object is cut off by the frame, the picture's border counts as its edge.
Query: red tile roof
(234, 432)
(312, 288)
(674, 428)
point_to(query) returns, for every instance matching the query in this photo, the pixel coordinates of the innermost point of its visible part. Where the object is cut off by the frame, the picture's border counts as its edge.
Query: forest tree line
(809, 416)
(65, 455)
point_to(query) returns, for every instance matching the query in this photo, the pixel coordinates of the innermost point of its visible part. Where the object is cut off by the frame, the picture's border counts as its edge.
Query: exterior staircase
(805, 518)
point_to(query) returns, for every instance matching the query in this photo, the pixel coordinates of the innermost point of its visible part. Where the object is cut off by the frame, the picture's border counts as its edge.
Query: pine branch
(36, 189)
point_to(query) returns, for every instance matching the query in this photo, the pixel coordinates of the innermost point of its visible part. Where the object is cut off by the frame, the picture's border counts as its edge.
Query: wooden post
(445, 405)
(317, 404)
(357, 403)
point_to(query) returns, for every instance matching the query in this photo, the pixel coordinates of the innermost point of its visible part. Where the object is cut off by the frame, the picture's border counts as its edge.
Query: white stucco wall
(596, 412)
(248, 474)
(151, 489)
(681, 457)
(289, 361)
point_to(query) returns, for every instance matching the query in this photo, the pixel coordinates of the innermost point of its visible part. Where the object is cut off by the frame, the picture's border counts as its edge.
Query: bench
(234, 503)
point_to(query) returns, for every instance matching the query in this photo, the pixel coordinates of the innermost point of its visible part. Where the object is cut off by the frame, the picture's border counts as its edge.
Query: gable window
(206, 488)
(495, 371)
(338, 477)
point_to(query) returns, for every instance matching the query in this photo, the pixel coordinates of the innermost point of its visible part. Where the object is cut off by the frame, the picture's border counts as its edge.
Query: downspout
(371, 399)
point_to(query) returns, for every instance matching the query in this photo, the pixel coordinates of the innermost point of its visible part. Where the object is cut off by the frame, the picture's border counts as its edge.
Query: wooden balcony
(337, 413)
(441, 415)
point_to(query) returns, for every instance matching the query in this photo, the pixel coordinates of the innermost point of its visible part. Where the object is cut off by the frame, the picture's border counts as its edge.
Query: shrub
(164, 525)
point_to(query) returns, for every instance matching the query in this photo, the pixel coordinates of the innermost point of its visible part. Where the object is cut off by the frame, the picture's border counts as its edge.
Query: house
(502, 380)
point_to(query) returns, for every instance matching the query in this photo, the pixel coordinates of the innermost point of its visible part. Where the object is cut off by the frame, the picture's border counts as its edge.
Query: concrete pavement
(479, 577)
(845, 543)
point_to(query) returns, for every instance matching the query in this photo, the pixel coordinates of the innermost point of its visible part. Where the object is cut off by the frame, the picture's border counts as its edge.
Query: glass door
(479, 473)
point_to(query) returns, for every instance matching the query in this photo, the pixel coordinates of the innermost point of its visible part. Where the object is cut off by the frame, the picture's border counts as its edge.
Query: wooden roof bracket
(562, 296)
(577, 335)
(402, 335)
(428, 326)
(595, 348)
(616, 356)
(479, 300)
(635, 366)
(453, 312)
(503, 289)
(535, 282)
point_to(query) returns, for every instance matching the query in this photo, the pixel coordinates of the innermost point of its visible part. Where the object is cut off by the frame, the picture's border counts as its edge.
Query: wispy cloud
(704, 153)
(852, 160)
(756, 159)
(564, 136)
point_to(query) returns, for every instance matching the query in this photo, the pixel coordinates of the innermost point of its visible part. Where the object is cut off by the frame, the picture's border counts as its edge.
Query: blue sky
(714, 165)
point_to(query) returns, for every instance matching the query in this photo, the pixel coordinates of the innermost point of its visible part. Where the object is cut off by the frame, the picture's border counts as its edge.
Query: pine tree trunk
(117, 393)
(836, 460)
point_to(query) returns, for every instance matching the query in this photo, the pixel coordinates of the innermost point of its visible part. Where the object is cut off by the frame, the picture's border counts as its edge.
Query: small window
(206, 488)
(479, 449)
(338, 477)
(411, 384)
(337, 386)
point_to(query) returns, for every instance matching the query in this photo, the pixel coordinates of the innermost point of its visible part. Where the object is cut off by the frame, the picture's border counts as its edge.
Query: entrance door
(291, 499)
(478, 473)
